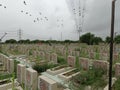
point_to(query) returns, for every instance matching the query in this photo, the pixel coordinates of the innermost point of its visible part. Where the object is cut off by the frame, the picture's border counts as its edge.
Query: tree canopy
(90, 39)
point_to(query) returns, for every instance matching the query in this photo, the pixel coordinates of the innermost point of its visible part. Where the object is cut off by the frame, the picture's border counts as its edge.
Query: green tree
(97, 40)
(11, 41)
(107, 39)
(87, 38)
(117, 39)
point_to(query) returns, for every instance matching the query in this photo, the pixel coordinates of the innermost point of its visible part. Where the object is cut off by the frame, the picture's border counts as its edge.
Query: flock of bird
(41, 17)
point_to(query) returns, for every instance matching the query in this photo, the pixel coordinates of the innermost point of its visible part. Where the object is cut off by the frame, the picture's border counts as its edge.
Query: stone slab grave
(45, 83)
(98, 64)
(66, 76)
(71, 61)
(69, 52)
(104, 56)
(91, 55)
(30, 79)
(115, 56)
(117, 69)
(58, 69)
(53, 58)
(47, 56)
(42, 54)
(84, 63)
(10, 65)
(21, 73)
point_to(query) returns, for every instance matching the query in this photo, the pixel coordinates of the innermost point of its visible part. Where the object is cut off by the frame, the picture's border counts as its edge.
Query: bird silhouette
(0, 4)
(5, 7)
(34, 21)
(26, 12)
(22, 11)
(24, 3)
(40, 13)
(37, 19)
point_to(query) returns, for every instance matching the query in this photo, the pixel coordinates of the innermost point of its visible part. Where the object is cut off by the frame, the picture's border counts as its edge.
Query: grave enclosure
(53, 78)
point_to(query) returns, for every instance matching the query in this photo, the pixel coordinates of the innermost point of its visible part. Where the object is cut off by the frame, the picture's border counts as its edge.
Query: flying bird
(26, 12)
(40, 13)
(24, 3)
(4, 6)
(38, 19)
(21, 11)
(0, 4)
(34, 21)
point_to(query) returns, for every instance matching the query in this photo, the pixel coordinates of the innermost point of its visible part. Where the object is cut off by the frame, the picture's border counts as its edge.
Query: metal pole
(111, 43)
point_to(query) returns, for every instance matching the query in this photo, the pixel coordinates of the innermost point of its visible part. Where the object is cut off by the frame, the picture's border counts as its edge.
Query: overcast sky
(60, 20)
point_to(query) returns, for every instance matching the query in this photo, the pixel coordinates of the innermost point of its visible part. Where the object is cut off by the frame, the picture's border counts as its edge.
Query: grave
(117, 69)
(45, 83)
(30, 79)
(71, 61)
(66, 76)
(98, 64)
(84, 63)
(58, 70)
(54, 58)
(21, 73)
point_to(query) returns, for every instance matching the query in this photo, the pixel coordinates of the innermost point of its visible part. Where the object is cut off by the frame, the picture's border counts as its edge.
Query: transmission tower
(19, 34)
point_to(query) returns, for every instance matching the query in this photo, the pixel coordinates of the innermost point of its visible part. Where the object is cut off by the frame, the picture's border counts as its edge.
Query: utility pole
(19, 34)
(111, 43)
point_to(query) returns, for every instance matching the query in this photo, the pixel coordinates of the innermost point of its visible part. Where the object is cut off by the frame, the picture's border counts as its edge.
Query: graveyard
(59, 67)
(59, 45)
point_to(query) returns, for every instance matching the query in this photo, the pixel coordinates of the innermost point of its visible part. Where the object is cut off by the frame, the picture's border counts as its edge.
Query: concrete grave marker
(71, 61)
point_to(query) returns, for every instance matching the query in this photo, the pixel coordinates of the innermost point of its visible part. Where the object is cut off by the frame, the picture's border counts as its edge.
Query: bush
(92, 77)
(43, 68)
(15, 67)
(61, 60)
(5, 76)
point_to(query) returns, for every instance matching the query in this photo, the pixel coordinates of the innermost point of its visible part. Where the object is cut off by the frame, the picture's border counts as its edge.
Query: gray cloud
(97, 19)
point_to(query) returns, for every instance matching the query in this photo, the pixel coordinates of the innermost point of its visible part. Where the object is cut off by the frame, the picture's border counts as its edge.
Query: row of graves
(38, 52)
(6, 64)
(61, 77)
(6, 72)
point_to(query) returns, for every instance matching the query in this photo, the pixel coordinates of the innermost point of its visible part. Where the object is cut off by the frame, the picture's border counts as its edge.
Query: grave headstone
(54, 58)
(71, 61)
(45, 83)
(31, 79)
(117, 69)
(84, 63)
(98, 64)
(21, 73)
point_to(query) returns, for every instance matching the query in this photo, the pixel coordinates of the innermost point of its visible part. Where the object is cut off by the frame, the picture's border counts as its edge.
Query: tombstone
(42, 54)
(73, 53)
(117, 69)
(71, 61)
(115, 56)
(91, 55)
(64, 53)
(30, 79)
(8, 64)
(69, 52)
(21, 73)
(45, 83)
(47, 56)
(98, 64)
(104, 56)
(54, 58)
(84, 63)
(77, 53)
